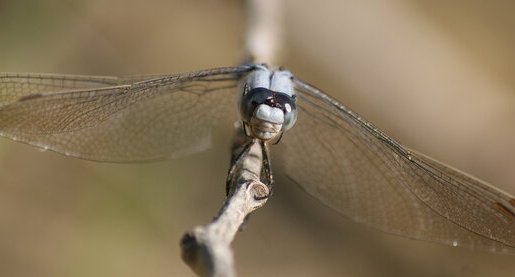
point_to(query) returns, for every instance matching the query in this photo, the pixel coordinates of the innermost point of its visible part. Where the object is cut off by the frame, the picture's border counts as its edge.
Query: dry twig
(207, 248)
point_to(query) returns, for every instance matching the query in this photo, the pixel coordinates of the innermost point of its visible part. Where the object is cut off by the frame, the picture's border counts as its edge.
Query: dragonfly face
(267, 105)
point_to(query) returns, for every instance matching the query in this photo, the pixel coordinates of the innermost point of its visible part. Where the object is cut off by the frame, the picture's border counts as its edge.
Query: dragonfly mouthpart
(264, 130)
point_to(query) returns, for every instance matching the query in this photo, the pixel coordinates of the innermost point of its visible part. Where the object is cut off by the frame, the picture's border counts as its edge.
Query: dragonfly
(330, 151)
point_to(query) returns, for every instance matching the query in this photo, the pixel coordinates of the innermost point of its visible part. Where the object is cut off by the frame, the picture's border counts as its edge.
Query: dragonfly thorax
(267, 105)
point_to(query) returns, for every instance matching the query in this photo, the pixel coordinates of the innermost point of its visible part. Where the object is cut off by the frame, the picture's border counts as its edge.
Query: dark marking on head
(504, 209)
(30, 97)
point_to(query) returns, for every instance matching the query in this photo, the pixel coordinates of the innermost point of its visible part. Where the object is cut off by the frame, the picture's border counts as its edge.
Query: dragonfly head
(267, 105)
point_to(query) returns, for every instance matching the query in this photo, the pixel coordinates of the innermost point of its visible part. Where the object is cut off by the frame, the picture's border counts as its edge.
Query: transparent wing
(117, 119)
(353, 167)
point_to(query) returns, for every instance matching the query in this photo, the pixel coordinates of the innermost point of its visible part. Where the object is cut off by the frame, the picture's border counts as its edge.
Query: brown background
(436, 75)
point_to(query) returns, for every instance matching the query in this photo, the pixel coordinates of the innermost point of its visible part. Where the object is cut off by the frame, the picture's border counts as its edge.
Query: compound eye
(252, 99)
(290, 114)
(287, 104)
(284, 102)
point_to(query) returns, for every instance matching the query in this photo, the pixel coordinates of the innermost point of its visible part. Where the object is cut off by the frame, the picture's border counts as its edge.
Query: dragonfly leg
(267, 167)
(235, 164)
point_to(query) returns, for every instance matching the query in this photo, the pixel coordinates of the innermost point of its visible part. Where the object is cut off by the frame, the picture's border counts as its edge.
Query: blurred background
(436, 75)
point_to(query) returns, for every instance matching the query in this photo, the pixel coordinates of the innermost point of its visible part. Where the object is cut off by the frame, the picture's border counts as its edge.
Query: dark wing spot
(505, 210)
(30, 97)
(512, 202)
